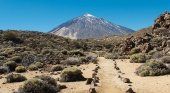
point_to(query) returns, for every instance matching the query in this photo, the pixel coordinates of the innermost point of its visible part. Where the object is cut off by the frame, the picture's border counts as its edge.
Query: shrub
(47, 79)
(72, 61)
(11, 65)
(152, 52)
(77, 53)
(152, 68)
(91, 58)
(36, 85)
(157, 55)
(134, 51)
(32, 67)
(3, 70)
(20, 69)
(71, 74)
(111, 56)
(165, 59)
(39, 64)
(15, 78)
(28, 59)
(57, 68)
(138, 58)
(2, 57)
(101, 53)
(10, 35)
(17, 59)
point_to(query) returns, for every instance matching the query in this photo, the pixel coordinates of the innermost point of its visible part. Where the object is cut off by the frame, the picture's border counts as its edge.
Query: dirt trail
(107, 75)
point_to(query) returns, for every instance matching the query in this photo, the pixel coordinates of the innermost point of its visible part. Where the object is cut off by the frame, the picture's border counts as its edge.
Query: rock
(117, 68)
(89, 80)
(4, 83)
(92, 90)
(62, 86)
(94, 74)
(96, 79)
(126, 80)
(119, 71)
(130, 91)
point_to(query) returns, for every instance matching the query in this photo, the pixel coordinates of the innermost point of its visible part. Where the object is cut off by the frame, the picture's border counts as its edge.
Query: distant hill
(141, 32)
(89, 26)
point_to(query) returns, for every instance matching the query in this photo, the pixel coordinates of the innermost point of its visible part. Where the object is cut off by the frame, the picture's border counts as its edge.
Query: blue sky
(44, 15)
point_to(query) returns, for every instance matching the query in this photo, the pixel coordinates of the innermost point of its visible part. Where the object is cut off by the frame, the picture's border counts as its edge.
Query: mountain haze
(89, 26)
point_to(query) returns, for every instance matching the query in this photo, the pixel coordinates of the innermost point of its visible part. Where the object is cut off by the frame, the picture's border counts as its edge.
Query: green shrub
(152, 52)
(10, 35)
(32, 67)
(11, 65)
(3, 70)
(39, 64)
(71, 74)
(134, 51)
(138, 58)
(15, 78)
(17, 59)
(111, 56)
(72, 61)
(36, 85)
(165, 59)
(57, 68)
(157, 55)
(152, 68)
(20, 69)
(2, 57)
(47, 79)
(77, 53)
(92, 58)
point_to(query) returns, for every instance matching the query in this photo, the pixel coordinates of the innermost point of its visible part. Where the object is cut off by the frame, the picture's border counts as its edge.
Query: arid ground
(109, 81)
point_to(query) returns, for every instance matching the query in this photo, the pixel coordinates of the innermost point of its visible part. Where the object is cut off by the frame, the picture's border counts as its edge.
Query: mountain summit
(89, 26)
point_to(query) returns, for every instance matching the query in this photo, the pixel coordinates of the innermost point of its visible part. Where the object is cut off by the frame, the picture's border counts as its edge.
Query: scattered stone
(126, 80)
(130, 91)
(92, 90)
(4, 83)
(89, 80)
(96, 79)
(62, 86)
(117, 68)
(119, 71)
(119, 76)
(94, 74)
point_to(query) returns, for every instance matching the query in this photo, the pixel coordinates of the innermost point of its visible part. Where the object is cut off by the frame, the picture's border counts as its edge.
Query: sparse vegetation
(165, 59)
(134, 51)
(138, 58)
(20, 69)
(39, 64)
(57, 68)
(15, 78)
(37, 85)
(71, 74)
(3, 70)
(111, 56)
(72, 61)
(11, 65)
(33, 67)
(152, 68)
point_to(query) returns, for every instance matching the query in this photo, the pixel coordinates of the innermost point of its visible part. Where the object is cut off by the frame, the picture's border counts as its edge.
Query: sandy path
(107, 75)
(158, 84)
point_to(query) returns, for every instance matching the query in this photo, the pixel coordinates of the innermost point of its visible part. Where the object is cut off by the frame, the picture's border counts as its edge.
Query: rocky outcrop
(157, 39)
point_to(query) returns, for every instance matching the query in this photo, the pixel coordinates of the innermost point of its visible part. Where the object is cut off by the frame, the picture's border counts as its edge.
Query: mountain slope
(89, 26)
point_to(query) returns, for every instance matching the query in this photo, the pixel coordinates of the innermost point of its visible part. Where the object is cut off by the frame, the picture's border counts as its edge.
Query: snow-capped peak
(88, 15)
